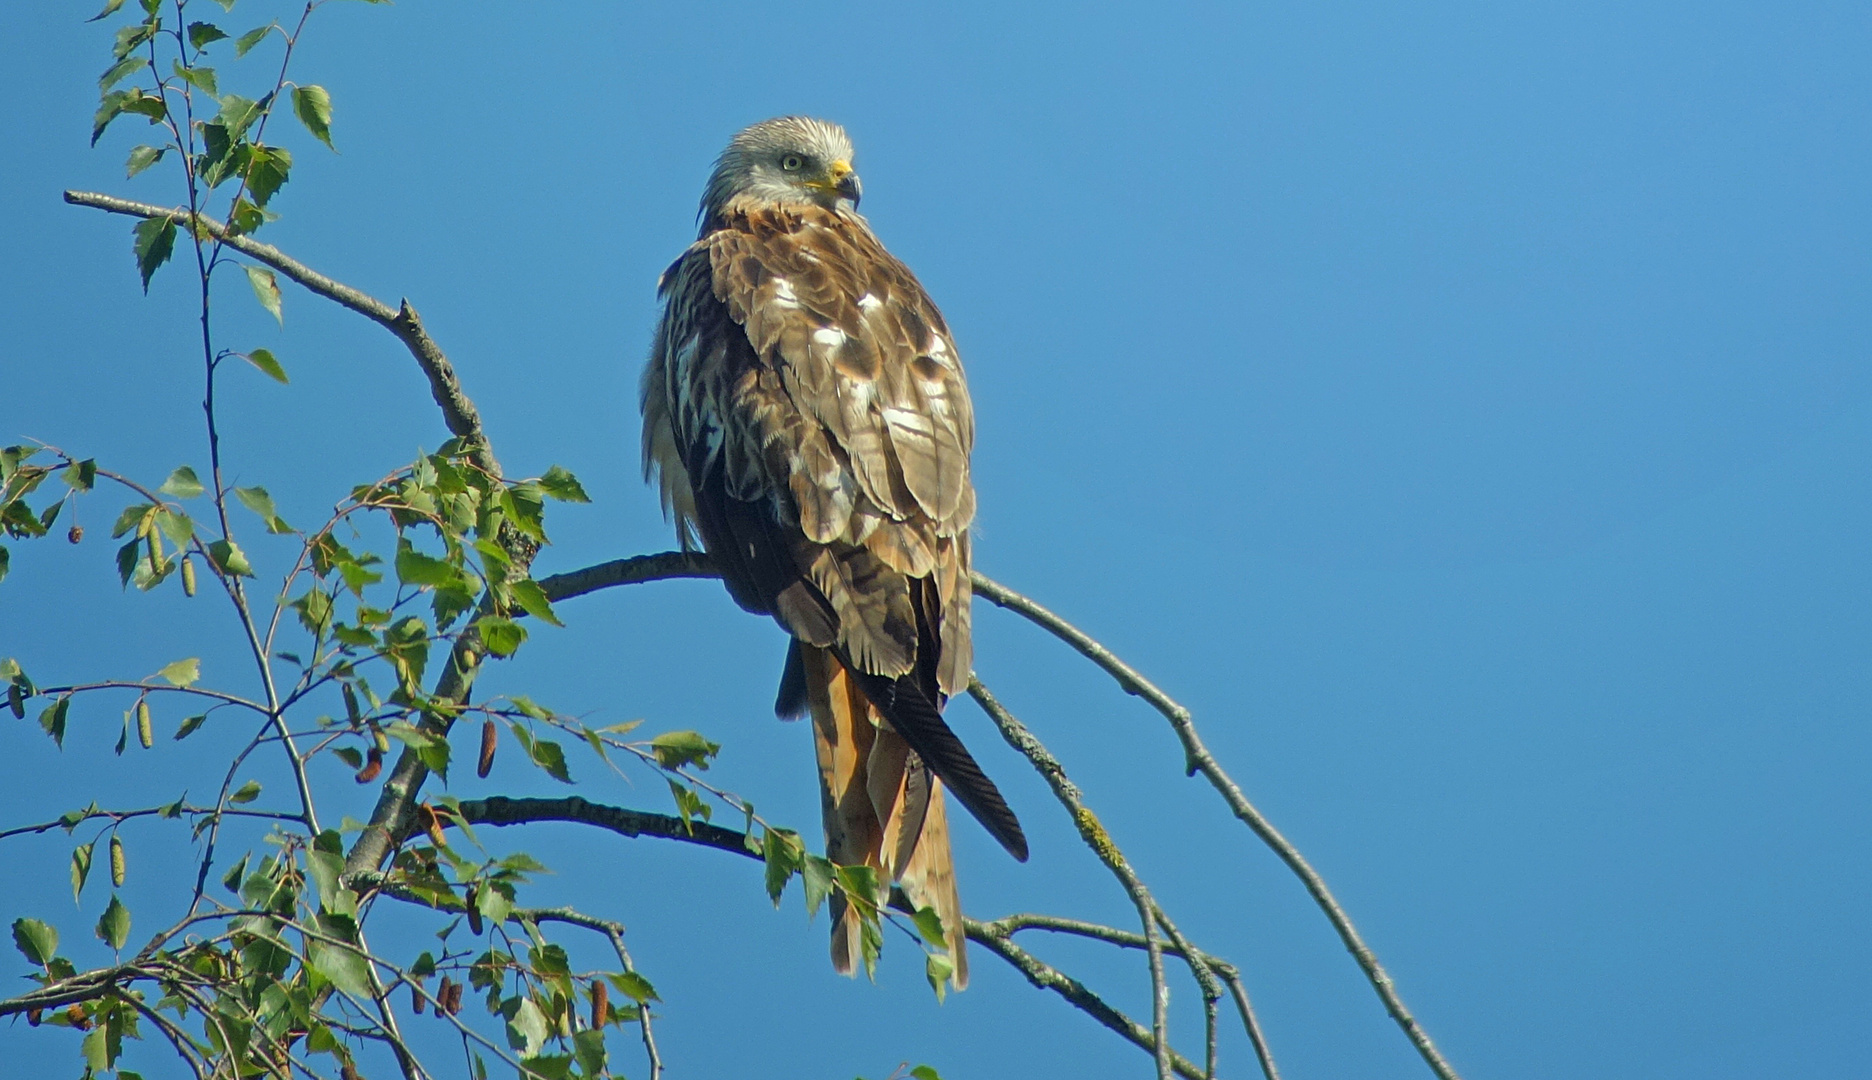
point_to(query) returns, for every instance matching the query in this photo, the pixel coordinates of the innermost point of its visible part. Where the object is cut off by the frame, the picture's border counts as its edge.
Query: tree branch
(500, 810)
(457, 411)
(659, 567)
(1047, 977)
(396, 801)
(1198, 759)
(1092, 831)
(996, 936)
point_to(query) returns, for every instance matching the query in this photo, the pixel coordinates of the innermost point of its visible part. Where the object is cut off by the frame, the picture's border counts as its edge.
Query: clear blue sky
(1464, 408)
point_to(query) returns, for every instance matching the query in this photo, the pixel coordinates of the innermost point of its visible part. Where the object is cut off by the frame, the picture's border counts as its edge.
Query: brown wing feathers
(811, 395)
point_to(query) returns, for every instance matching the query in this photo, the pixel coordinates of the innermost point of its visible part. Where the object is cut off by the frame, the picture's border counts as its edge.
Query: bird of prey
(806, 420)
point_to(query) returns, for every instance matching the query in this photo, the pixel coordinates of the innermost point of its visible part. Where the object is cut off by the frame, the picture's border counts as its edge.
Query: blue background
(1463, 408)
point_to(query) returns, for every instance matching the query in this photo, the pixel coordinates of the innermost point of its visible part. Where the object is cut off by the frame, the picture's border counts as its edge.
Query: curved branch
(1198, 759)
(1047, 977)
(457, 411)
(659, 567)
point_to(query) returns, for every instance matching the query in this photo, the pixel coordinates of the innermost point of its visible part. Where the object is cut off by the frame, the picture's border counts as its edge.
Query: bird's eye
(792, 163)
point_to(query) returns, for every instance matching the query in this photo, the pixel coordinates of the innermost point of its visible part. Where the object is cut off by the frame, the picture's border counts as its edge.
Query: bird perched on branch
(806, 419)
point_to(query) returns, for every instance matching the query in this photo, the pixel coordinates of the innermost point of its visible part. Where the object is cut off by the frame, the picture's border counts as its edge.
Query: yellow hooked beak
(842, 180)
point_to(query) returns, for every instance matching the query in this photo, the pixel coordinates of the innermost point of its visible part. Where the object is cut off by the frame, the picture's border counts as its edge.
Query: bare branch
(1199, 759)
(659, 567)
(500, 810)
(1047, 977)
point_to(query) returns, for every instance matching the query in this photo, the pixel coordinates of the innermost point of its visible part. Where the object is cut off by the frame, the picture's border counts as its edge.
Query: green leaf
(230, 558)
(182, 672)
(859, 884)
(326, 868)
(924, 1072)
(6, 560)
(938, 968)
(313, 107)
(257, 500)
(246, 217)
(201, 78)
(264, 360)
(526, 1029)
(634, 986)
(80, 475)
(562, 485)
(231, 880)
(407, 644)
(341, 967)
(817, 874)
(189, 725)
(588, 1047)
(80, 868)
(495, 902)
(675, 749)
(155, 242)
(110, 107)
(930, 926)
(783, 853)
(201, 33)
(149, 105)
(248, 793)
(142, 158)
(266, 289)
(415, 568)
(110, 8)
(36, 940)
(114, 926)
(127, 557)
(431, 748)
(315, 611)
(251, 38)
(183, 484)
(268, 169)
(532, 599)
(52, 719)
(117, 72)
(131, 36)
(96, 1050)
(236, 116)
(545, 753)
(179, 528)
(501, 636)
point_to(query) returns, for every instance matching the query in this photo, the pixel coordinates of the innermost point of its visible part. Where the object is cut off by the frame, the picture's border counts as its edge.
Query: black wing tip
(1016, 844)
(921, 724)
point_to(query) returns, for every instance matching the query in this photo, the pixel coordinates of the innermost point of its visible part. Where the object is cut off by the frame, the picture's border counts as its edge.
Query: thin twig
(1198, 759)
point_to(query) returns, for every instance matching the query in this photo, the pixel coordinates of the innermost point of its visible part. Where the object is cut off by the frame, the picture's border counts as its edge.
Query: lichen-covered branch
(1092, 831)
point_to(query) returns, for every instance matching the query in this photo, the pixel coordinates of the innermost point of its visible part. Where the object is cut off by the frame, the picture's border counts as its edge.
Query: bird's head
(788, 161)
